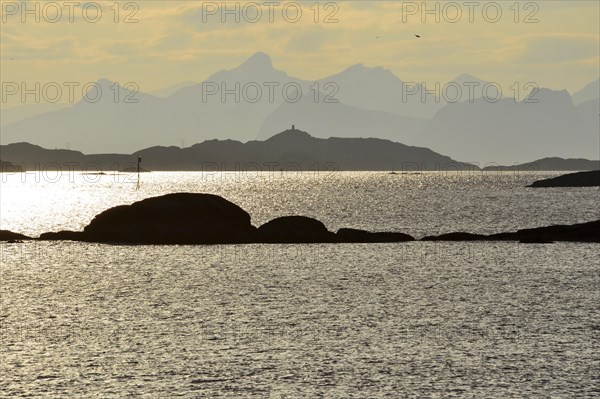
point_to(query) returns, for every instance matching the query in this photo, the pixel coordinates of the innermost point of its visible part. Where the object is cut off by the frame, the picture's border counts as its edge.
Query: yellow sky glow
(178, 41)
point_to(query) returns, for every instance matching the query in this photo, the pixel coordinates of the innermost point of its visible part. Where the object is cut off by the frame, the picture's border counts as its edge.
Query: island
(292, 150)
(549, 164)
(206, 219)
(580, 179)
(9, 236)
(190, 219)
(580, 232)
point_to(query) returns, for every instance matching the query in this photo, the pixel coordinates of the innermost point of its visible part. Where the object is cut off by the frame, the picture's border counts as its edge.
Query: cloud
(310, 40)
(171, 36)
(556, 49)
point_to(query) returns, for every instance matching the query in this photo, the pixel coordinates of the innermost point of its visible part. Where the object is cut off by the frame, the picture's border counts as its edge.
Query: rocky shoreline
(579, 179)
(580, 232)
(196, 219)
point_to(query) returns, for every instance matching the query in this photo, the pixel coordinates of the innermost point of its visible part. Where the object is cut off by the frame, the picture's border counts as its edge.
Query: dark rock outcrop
(7, 235)
(581, 232)
(456, 236)
(294, 229)
(535, 241)
(63, 235)
(580, 179)
(180, 218)
(358, 236)
(185, 218)
(301, 229)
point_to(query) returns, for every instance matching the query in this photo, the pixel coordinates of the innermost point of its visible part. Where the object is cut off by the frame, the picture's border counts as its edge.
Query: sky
(155, 44)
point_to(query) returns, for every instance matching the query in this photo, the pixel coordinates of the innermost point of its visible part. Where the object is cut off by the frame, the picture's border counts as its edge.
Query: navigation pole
(138, 171)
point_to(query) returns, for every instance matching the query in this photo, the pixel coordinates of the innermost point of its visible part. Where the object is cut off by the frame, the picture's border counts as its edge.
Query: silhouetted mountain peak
(551, 97)
(23, 145)
(590, 92)
(104, 83)
(355, 67)
(466, 77)
(358, 71)
(291, 135)
(110, 93)
(257, 68)
(258, 60)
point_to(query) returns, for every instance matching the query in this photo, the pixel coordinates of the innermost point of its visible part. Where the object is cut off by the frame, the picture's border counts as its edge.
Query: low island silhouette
(580, 179)
(292, 149)
(194, 219)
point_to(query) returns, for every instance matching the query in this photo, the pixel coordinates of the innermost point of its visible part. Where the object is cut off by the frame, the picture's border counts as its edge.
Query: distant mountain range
(589, 93)
(490, 131)
(292, 150)
(357, 102)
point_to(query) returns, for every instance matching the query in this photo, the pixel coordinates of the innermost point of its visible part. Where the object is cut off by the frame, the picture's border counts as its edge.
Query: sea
(395, 320)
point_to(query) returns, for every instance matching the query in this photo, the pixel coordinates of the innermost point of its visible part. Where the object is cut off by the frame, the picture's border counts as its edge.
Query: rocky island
(196, 219)
(185, 218)
(7, 235)
(581, 232)
(579, 179)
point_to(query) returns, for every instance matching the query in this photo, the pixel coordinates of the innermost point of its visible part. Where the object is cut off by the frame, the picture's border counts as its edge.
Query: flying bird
(418, 36)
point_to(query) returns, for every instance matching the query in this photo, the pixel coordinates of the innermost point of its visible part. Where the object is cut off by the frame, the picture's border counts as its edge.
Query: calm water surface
(415, 320)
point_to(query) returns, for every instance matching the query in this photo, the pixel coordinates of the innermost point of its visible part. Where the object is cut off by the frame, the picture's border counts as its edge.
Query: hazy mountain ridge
(16, 114)
(341, 120)
(479, 131)
(367, 102)
(378, 89)
(588, 93)
(172, 89)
